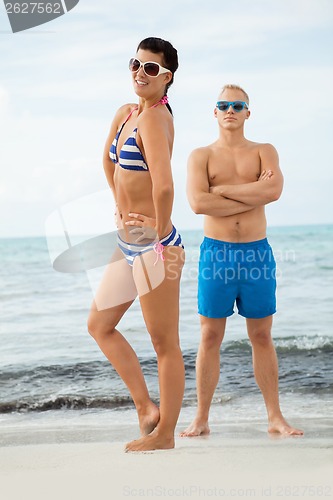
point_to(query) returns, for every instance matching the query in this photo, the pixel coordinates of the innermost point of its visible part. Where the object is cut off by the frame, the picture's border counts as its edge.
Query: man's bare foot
(280, 426)
(149, 419)
(154, 441)
(197, 428)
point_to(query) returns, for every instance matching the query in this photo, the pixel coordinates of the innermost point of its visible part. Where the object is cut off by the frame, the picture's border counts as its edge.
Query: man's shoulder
(262, 146)
(198, 158)
(201, 152)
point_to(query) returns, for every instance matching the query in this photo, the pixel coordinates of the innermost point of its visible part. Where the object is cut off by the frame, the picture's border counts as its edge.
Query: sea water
(53, 375)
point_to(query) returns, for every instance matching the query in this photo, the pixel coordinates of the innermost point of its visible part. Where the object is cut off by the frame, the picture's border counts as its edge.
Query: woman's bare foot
(197, 428)
(280, 426)
(155, 441)
(148, 419)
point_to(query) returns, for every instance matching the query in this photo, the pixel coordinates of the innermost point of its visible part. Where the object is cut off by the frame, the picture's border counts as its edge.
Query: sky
(61, 83)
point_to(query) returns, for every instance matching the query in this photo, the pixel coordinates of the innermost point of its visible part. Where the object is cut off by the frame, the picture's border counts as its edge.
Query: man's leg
(265, 366)
(207, 372)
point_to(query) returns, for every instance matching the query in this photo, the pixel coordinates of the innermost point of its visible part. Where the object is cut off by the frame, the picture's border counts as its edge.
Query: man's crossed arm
(268, 188)
(222, 201)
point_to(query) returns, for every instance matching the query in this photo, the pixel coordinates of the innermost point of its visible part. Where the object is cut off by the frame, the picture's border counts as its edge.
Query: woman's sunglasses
(236, 105)
(150, 68)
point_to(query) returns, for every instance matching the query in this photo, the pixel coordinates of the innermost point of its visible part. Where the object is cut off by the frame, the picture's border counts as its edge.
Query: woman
(150, 256)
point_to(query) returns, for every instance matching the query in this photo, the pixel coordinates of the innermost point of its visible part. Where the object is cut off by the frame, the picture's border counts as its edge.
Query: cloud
(4, 102)
(223, 28)
(48, 158)
(60, 90)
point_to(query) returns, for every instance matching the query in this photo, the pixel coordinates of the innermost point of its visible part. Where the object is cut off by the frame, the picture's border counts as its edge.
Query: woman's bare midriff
(240, 228)
(134, 195)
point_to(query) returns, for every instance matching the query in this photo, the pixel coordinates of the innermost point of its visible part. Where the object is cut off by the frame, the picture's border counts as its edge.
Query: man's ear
(248, 114)
(215, 112)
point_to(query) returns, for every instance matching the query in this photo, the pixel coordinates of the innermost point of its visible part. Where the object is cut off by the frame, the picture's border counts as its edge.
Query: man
(230, 182)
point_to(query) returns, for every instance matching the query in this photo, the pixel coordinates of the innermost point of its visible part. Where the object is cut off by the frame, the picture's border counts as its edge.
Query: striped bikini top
(130, 156)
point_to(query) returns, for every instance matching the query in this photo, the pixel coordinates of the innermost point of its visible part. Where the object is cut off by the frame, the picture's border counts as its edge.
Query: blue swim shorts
(244, 273)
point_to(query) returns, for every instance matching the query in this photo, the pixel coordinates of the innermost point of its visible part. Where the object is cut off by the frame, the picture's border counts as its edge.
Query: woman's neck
(152, 102)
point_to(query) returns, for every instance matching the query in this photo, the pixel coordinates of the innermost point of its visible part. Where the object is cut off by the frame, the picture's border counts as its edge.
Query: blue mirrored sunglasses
(236, 105)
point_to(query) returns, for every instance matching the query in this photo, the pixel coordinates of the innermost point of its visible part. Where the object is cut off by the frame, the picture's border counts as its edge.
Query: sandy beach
(65, 416)
(235, 461)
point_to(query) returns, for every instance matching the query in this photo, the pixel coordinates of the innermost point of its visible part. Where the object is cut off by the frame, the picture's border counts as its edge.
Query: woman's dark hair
(170, 55)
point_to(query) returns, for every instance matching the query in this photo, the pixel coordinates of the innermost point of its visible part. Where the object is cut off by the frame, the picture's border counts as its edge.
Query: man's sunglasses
(236, 105)
(150, 68)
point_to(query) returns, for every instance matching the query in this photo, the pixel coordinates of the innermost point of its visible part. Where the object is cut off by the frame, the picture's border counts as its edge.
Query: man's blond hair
(233, 86)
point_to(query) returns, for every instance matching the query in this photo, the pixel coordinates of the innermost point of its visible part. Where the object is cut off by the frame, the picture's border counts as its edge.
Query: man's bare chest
(233, 167)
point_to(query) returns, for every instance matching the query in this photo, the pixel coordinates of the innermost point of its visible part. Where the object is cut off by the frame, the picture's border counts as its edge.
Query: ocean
(53, 375)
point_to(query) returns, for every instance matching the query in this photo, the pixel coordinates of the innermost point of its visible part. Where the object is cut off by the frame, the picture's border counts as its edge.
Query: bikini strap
(129, 116)
(163, 100)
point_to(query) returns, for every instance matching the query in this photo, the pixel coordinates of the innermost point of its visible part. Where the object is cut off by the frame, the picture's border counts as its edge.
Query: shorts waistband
(231, 245)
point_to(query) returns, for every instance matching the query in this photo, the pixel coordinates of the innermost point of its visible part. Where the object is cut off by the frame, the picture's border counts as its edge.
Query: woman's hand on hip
(145, 227)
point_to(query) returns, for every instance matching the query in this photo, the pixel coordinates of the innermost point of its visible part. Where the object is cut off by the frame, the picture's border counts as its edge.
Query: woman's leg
(160, 307)
(107, 309)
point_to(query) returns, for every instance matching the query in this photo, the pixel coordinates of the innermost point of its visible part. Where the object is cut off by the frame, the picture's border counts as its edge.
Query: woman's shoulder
(127, 107)
(155, 117)
(124, 111)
